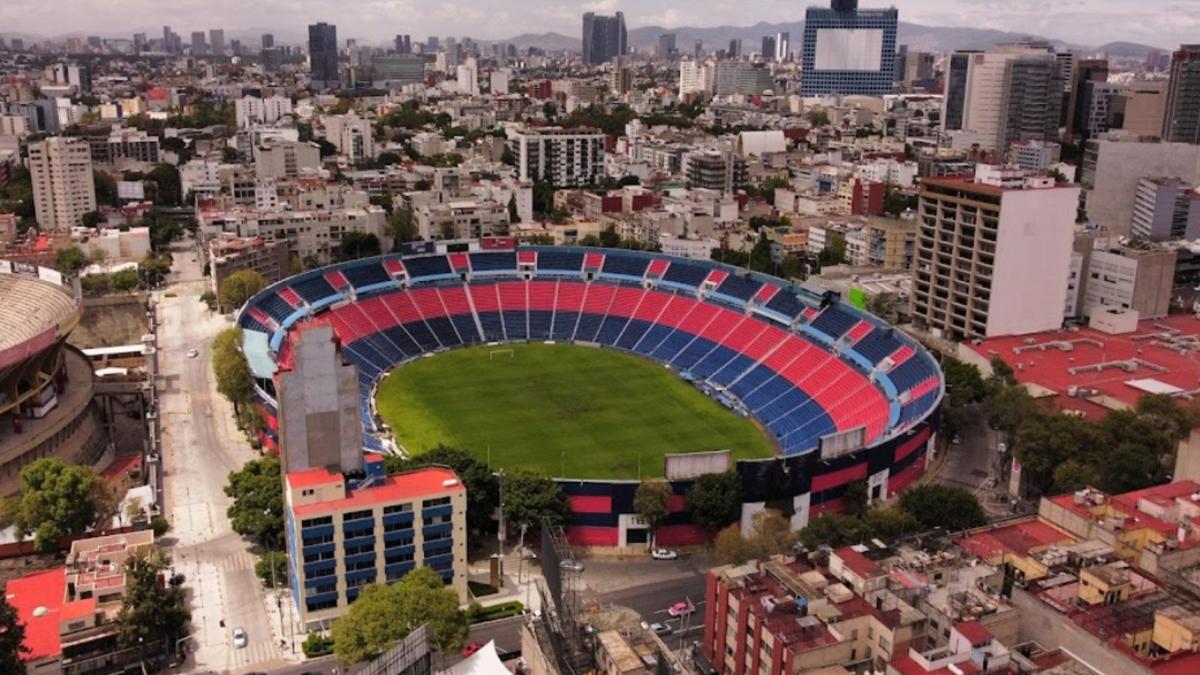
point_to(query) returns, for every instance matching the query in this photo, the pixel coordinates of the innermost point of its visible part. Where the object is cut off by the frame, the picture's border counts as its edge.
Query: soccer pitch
(564, 410)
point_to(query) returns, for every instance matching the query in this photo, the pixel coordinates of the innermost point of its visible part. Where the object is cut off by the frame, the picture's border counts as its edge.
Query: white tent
(485, 661)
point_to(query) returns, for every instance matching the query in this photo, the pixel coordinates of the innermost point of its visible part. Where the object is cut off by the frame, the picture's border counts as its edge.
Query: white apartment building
(899, 174)
(993, 253)
(694, 77)
(563, 157)
(251, 110)
(353, 136)
(681, 247)
(315, 233)
(63, 186)
(467, 75)
(462, 219)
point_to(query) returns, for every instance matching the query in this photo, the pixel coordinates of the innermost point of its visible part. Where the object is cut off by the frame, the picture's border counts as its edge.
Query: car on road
(663, 554)
(193, 353)
(572, 565)
(239, 638)
(660, 629)
(681, 608)
(472, 648)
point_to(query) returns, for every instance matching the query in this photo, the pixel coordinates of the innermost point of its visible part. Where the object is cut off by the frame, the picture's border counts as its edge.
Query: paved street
(975, 463)
(202, 445)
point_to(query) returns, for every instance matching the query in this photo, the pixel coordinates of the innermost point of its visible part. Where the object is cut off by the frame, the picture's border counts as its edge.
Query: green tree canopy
(401, 227)
(383, 614)
(166, 178)
(151, 611)
(650, 502)
(240, 286)
(57, 500)
(234, 380)
(70, 260)
(357, 245)
(271, 568)
(530, 499)
(715, 499)
(257, 509)
(12, 639)
(950, 508)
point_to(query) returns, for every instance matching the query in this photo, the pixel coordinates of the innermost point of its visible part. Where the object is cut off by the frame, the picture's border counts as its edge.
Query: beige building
(883, 242)
(227, 255)
(63, 186)
(286, 159)
(462, 219)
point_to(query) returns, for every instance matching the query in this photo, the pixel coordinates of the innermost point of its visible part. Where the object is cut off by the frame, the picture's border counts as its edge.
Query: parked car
(663, 554)
(471, 648)
(681, 608)
(193, 353)
(660, 628)
(239, 638)
(572, 565)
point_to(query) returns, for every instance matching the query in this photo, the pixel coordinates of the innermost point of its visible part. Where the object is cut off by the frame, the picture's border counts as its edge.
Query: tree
(513, 216)
(90, 219)
(70, 260)
(106, 189)
(530, 499)
(271, 567)
(401, 227)
(731, 548)
(12, 639)
(715, 499)
(383, 614)
(166, 179)
(855, 499)
(240, 286)
(817, 117)
(834, 529)
(950, 508)
(760, 255)
(234, 380)
(209, 298)
(650, 503)
(885, 306)
(1074, 475)
(153, 269)
(257, 509)
(477, 478)
(834, 252)
(57, 500)
(124, 281)
(1008, 407)
(357, 245)
(1044, 441)
(1002, 371)
(609, 237)
(151, 611)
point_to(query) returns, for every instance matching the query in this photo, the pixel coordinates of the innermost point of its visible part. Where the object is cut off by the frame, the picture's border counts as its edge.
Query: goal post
(493, 353)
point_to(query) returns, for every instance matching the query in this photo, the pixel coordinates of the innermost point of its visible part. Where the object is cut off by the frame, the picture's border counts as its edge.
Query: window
(440, 501)
(398, 508)
(356, 515)
(315, 522)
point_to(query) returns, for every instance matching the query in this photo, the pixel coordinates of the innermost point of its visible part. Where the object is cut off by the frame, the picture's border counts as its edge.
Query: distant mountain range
(917, 37)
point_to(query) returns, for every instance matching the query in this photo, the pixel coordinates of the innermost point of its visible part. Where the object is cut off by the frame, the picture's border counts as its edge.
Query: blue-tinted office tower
(848, 50)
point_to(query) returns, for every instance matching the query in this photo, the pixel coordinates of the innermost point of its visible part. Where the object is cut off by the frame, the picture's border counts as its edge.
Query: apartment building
(63, 186)
(1112, 169)
(315, 233)
(1166, 208)
(227, 255)
(354, 136)
(712, 170)
(883, 242)
(252, 110)
(993, 253)
(286, 159)
(562, 157)
(462, 219)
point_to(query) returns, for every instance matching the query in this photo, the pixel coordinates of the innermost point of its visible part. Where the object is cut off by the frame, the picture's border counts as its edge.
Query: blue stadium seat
(559, 261)
(539, 324)
(493, 326)
(369, 274)
(786, 304)
(739, 287)
(313, 288)
(877, 344)
(686, 274)
(494, 262)
(427, 266)
(623, 264)
(516, 325)
(834, 322)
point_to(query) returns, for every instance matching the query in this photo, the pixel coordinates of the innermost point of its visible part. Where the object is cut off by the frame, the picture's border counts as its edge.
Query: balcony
(352, 560)
(434, 530)
(398, 537)
(358, 541)
(351, 527)
(316, 532)
(360, 575)
(405, 518)
(317, 549)
(436, 512)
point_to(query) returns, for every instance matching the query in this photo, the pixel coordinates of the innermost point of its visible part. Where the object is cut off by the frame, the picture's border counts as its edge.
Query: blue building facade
(848, 51)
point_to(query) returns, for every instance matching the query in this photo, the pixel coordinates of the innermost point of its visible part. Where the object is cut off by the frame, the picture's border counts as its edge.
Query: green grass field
(561, 409)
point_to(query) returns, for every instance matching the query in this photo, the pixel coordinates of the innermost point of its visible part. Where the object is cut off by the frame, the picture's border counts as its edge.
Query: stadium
(810, 392)
(45, 385)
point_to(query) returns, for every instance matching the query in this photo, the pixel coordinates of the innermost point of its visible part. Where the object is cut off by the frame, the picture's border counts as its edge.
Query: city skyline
(1103, 22)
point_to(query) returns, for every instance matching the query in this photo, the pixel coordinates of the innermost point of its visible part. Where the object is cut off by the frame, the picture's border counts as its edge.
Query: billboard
(849, 49)
(843, 443)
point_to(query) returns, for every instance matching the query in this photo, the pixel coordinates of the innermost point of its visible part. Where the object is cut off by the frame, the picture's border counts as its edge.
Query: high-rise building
(735, 49)
(1166, 208)
(767, 51)
(848, 50)
(403, 44)
(620, 79)
(467, 75)
(139, 43)
(353, 136)
(1138, 108)
(349, 523)
(396, 70)
(563, 157)
(993, 253)
(783, 46)
(268, 40)
(252, 110)
(995, 98)
(1181, 121)
(216, 41)
(63, 186)
(235, 47)
(199, 44)
(666, 45)
(323, 56)
(604, 37)
(1084, 74)
(1112, 169)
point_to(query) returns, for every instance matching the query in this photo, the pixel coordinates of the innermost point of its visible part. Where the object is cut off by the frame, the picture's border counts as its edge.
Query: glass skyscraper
(323, 56)
(848, 50)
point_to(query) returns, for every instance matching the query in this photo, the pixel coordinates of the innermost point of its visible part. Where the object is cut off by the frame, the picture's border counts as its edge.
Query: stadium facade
(844, 396)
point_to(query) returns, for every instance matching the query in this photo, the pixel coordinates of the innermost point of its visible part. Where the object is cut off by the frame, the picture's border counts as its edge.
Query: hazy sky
(1160, 22)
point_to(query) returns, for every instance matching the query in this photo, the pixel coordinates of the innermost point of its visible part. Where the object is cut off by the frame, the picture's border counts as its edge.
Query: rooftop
(40, 603)
(1057, 363)
(396, 487)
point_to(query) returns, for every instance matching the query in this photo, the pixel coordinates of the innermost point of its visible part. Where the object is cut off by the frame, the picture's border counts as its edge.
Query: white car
(571, 565)
(663, 554)
(239, 638)
(193, 353)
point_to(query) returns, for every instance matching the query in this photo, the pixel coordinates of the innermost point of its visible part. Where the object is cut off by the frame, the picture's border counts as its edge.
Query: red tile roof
(1019, 538)
(859, 563)
(393, 488)
(313, 477)
(45, 590)
(906, 665)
